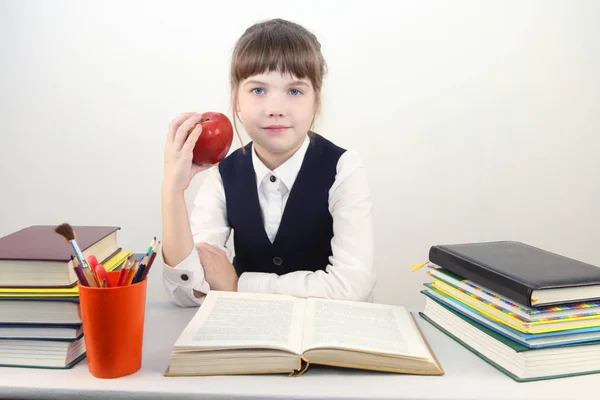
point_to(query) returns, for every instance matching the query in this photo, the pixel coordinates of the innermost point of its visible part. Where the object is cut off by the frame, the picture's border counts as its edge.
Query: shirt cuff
(256, 282)
(184, 277)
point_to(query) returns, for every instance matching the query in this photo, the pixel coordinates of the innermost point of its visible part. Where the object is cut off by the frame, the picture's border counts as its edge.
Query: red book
(37, 256)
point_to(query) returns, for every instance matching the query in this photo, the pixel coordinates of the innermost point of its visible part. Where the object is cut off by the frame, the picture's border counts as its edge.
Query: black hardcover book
(522, 273)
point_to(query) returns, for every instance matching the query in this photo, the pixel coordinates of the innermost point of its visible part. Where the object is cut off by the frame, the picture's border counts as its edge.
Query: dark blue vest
(303, 241)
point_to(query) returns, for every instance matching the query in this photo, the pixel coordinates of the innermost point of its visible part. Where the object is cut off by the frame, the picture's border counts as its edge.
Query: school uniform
(303, 229)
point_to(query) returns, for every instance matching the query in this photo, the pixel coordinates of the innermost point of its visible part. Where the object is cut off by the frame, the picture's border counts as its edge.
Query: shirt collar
(287, 172)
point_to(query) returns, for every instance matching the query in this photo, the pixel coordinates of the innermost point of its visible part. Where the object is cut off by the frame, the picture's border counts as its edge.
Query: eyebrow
(299, 83)
(260, 83)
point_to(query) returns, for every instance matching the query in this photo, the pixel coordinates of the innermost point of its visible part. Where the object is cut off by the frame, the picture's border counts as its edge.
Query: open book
(249, 333)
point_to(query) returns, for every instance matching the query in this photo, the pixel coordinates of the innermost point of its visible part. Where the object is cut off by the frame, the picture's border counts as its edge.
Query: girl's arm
(183, 273)
(185, 281)
(350, 274)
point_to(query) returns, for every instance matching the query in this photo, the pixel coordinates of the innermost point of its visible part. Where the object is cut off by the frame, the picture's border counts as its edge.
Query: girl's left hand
(218, 271)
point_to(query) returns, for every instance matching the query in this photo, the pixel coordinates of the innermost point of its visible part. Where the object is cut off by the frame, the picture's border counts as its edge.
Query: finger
(219, 252)
(190, 142)
(209, 261)
(214, 250)
(206, 256)
(206, 246)
(175, 123)
(203, 255)
(184, 129)
(202, 246)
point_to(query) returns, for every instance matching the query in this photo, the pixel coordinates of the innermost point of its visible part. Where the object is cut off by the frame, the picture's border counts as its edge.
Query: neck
(274, 160)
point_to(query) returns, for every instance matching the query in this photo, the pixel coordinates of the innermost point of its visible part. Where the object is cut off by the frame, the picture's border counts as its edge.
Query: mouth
(275, 128)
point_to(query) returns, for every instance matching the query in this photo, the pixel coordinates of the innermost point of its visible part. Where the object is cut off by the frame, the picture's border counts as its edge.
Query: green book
(521, 363)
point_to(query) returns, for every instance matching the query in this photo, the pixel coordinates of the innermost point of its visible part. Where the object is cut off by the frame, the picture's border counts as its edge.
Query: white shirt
(349, 275)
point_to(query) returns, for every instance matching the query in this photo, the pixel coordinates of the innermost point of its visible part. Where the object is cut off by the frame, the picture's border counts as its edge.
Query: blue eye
(258, 91)
(295, 92)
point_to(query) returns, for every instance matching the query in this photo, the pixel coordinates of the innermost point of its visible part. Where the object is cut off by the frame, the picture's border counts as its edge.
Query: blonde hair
(277, 45)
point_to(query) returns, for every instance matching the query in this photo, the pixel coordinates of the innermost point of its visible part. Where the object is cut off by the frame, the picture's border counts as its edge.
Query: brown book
(37, 256)
(256, 333)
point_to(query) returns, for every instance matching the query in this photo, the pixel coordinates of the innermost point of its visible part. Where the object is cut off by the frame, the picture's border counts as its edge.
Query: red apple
(215, 140)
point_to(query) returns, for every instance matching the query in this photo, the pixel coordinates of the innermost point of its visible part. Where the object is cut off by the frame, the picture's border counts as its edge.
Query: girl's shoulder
(237, 158)
(346, 156)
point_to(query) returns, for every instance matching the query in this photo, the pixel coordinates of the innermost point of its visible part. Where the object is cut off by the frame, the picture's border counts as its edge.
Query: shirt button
(184, 277)
(277, 260)
(272, 178)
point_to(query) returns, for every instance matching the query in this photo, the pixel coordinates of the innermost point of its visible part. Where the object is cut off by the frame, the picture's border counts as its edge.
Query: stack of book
(530, 313)
(40, 321)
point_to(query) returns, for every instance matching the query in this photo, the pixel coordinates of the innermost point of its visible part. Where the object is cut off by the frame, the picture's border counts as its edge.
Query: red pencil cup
(113, 327)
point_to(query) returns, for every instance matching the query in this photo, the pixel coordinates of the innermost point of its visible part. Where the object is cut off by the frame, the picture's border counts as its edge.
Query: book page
(367, 327)
(245, 320)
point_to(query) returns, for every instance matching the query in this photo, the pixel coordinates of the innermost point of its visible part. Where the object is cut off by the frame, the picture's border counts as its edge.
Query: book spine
(481, 275)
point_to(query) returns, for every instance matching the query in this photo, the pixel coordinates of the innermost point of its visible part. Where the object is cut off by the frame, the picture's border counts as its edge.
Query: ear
(317, 108)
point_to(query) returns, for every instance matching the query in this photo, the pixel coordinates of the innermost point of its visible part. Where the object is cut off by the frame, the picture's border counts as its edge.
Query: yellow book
(255, 333)
(111, 264)
(116, 260)
(40, 292)
(511, 321)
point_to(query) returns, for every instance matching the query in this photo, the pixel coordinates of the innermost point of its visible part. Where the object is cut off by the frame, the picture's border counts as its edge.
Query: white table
(467, 376)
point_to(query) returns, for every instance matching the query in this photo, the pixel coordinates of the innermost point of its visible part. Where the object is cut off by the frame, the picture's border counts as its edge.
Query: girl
(299, 206)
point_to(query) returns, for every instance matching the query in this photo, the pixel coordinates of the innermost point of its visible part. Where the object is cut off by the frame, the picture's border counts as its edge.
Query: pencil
(89, 276)
(151, 246)
(152, 257)
(132, 271)
(122, 276)
(138, 274)
(80, 276)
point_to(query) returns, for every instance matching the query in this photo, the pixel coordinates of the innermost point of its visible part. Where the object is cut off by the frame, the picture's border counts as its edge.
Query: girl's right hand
(179, 168)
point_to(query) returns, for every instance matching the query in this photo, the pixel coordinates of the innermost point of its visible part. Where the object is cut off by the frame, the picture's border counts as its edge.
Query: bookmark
(415, 267)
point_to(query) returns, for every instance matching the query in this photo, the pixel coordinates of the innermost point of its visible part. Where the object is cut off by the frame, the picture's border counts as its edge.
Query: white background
(477, 120)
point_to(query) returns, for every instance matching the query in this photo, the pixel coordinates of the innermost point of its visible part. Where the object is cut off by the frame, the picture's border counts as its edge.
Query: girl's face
(276, 111)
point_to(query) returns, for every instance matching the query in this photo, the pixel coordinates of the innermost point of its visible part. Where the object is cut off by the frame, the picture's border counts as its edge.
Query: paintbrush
(66, 231)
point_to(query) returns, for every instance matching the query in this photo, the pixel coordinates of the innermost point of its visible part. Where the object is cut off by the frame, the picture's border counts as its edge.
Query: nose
(274, 111)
